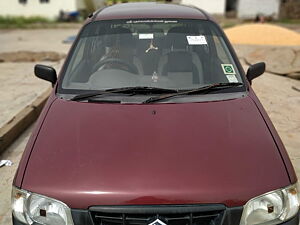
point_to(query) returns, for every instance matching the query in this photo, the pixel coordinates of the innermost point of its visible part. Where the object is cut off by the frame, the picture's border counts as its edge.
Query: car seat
(178, 62)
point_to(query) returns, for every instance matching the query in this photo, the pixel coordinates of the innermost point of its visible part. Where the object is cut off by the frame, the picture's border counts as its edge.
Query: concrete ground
(276, 93)
(35, 40)
(14, 153)
(19, 86)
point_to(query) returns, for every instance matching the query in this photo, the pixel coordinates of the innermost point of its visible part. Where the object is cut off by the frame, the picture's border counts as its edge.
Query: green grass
(34, 22)
(228, 25)
(22, 22)
(289, 21)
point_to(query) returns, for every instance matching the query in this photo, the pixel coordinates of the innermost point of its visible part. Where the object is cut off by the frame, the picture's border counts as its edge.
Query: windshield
(161, 53)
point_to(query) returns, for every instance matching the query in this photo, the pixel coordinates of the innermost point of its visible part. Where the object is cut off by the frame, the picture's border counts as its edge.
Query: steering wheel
(129, 66)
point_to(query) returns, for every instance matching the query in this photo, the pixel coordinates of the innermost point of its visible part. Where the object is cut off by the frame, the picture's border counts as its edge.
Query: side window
(44, 1)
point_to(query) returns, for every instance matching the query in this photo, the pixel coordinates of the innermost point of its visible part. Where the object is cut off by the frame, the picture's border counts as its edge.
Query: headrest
(119, 36)
(120, 30)
(176, 38)
(184, 30)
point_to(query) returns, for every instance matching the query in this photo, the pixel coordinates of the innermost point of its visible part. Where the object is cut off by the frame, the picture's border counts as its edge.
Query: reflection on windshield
(174, 54)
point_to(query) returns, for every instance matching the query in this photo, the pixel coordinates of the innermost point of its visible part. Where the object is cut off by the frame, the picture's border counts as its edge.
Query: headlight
(272, 208)
(32, 208)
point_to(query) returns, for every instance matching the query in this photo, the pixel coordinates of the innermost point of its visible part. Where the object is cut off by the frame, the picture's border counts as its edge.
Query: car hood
(111, 154)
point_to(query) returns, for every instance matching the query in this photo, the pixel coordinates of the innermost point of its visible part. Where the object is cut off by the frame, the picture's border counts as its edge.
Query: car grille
(178, 215)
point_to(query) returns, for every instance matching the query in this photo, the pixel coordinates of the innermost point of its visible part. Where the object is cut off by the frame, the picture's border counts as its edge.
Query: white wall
(250, 8)
(210, 6)
(35, 8)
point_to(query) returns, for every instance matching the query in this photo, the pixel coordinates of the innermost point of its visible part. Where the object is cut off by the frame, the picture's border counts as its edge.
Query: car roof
(147, 10)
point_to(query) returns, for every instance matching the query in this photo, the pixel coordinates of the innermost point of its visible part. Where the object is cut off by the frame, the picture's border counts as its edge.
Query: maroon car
(153, 122)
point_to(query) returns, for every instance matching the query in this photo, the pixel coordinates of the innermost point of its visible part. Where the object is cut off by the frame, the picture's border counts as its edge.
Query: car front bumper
(231, 216)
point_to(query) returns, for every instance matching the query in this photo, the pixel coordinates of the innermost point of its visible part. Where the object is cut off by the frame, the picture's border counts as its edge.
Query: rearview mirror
(46, 73)
(255, 70)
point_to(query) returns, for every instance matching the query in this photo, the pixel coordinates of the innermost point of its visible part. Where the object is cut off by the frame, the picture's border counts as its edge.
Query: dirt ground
(19, 87)
(282, 104)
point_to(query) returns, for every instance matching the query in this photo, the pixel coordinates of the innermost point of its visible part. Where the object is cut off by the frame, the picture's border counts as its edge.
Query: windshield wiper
(193, 91)
(91, 94)
(104, 101)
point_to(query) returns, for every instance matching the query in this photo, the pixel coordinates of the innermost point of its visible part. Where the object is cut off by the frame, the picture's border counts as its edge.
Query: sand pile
(262, 34)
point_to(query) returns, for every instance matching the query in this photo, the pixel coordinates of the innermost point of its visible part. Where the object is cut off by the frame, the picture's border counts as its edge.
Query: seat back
(178, 61)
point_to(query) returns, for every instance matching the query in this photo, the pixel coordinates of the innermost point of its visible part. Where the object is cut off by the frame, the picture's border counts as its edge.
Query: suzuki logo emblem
(157, 222)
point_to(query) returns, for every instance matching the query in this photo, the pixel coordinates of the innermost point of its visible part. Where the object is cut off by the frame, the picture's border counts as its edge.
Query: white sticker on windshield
(146, 36)
(232, 79)
(151, 21)
(196, 40)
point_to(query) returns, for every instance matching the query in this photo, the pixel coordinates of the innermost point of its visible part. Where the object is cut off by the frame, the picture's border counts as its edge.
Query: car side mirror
(46, 73)
(255, 70)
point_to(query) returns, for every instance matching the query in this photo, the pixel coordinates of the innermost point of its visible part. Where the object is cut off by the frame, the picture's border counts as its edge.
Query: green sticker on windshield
(228, 69)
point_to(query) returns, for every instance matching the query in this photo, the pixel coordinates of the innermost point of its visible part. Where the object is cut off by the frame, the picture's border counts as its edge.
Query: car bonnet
(112, 154)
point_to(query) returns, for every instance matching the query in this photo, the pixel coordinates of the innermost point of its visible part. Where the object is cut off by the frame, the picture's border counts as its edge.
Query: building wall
(210, 6)
(290, 10)
(250, 8)
(36, 8)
